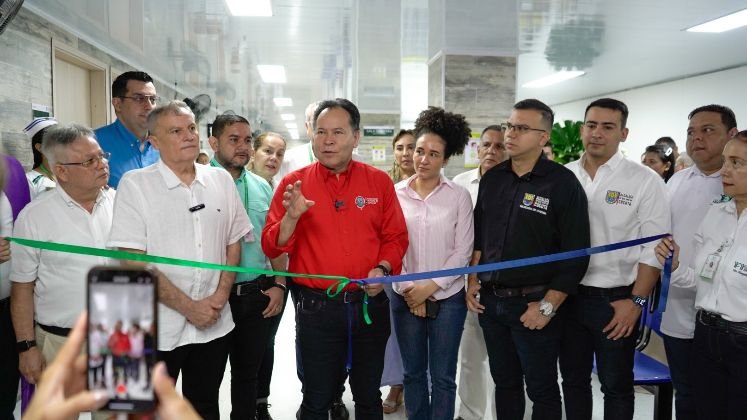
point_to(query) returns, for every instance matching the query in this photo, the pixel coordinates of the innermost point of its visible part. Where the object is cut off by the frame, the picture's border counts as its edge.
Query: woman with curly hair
(403, 145)
(429, 314)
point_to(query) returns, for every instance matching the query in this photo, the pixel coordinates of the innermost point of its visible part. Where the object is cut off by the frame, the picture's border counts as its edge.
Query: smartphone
(431, 308)
(122, 336)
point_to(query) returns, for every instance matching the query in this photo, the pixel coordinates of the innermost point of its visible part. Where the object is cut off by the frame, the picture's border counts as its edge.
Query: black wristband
(25, 345)
(383, 269)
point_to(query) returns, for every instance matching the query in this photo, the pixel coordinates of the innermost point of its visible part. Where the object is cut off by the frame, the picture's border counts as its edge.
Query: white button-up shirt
(471, 181)
(723, 234)
(60, 289)
(441, 232)
(152, 214)
(626, 201)
(691, 193)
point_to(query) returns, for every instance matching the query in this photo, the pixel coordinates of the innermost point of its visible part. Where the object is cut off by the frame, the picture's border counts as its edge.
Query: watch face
(546, 308)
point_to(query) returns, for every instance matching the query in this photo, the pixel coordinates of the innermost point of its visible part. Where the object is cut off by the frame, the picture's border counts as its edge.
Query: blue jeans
(430, 344)
(586, 316)
(322, 339)
(679, 358)
(719, 367)
(518, 354)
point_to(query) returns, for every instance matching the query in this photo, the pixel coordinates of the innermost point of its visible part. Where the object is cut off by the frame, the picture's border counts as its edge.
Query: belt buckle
(238, 288)
(347, 297)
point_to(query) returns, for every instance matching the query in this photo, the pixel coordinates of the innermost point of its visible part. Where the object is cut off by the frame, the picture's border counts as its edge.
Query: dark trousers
(8, 362)
(679, 359)
(322, 338)
(719, 361)
(247, 349)
(518, 354)
(268, 361)
(583, 339)
(203, 366)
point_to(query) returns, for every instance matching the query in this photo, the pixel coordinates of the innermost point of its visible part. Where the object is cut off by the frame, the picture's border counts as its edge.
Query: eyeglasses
(90, 162)
(519, 128)
(141, 99)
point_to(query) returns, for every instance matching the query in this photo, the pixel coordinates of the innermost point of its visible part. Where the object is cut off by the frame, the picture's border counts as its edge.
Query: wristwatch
(25, 345)
(547, 309)
(383, 269)
(279, 286)
(639, 300)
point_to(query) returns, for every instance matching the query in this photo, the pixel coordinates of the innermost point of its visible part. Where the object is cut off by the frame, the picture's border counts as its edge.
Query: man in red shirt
(119, 346)
(338, 217)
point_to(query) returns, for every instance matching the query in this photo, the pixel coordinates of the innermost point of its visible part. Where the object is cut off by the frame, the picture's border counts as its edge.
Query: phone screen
(122, 334)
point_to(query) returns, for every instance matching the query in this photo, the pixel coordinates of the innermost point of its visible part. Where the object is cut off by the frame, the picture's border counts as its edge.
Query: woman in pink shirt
(429, 314)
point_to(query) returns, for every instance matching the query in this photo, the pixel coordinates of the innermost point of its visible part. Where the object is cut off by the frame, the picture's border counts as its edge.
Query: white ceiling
(356, 48)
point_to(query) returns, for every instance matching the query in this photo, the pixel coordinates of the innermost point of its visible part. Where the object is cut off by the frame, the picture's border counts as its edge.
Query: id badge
(708, 271)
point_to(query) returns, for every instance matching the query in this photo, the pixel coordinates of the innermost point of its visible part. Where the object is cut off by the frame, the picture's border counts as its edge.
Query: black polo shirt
(539, 213)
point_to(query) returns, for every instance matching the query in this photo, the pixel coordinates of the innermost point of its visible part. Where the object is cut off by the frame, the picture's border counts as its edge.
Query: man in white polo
(180, 209)
(626, 201)
(50, 287)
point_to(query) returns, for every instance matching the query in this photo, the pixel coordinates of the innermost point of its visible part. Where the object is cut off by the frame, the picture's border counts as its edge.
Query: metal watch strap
(639, 300)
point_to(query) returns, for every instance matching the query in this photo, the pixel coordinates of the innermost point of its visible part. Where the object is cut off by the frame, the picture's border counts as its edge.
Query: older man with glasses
(133, 98)
(48, 289)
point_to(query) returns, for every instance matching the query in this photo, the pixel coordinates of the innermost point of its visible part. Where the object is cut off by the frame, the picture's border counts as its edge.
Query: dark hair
(727, 115)
(548, 117)
(452, 128)
(493, 127)
(261, 138)
(224, 120)
(401, 134)
(119, 87)
(665, 154)
(667, 141)
(37, 139)
(347, 106)
(612, 104)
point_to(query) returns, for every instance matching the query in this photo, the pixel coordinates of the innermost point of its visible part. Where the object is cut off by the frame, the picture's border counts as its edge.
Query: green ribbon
(340, 285)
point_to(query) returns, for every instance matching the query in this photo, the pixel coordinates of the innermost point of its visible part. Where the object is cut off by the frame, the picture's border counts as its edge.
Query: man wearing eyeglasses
(49, 287)
(527, 206)
(133, 98)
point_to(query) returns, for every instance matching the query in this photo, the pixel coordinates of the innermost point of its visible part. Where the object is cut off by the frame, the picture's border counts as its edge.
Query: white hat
(39, 124)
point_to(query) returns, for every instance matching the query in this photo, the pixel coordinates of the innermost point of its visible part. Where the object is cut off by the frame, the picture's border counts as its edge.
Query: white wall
(661, 110)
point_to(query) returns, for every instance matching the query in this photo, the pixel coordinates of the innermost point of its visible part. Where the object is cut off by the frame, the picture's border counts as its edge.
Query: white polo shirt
(471, 181)
(626, 201)
(152, 214)
(691, 193)
(722, 234)
(60, 289)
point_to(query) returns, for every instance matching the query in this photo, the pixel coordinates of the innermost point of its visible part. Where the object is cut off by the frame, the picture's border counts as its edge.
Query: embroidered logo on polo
(361, 202)
(722, 199)
(535, 203)
(616, 197)
(740, 267)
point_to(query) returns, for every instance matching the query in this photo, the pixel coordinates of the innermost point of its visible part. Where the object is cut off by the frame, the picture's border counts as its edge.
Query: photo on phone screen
(122, 336)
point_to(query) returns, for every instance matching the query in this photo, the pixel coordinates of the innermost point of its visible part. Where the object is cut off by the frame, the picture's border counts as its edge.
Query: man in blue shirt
(133, 97)
(255, 298)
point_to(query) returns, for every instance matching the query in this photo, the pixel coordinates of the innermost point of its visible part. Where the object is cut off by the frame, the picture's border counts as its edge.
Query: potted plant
(566, 141)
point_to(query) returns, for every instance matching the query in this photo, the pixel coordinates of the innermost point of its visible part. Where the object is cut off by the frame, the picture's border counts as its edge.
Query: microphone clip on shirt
(196, 208)
(339, 205)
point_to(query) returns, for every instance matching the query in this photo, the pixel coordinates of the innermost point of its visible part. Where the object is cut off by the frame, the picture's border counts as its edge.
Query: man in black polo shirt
(526, 206)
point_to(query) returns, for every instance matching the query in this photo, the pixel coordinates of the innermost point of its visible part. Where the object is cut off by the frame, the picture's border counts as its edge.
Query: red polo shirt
(356, 222)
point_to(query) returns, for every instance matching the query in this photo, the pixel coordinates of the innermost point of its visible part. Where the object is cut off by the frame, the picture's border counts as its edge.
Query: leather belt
(342, 297)
(504, 292)
(262, 282)
(62, 332)
(613, 292)
(716, 321)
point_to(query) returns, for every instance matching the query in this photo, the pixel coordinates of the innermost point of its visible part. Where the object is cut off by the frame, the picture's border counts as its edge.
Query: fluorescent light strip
(293, 133)
(271, 73)
(552, 79)
(288, 117)
(249, 7)
(731, 21)
(291, 126)
(283, 102)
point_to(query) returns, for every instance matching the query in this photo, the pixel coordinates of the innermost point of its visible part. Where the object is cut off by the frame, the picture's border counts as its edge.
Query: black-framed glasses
(519, 128)
(141, 99)
(90, 162)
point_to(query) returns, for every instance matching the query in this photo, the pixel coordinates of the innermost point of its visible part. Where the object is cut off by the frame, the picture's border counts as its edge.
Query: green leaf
(566, 141)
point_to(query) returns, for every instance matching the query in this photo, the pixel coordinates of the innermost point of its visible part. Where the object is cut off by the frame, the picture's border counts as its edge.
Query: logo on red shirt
(361, 202)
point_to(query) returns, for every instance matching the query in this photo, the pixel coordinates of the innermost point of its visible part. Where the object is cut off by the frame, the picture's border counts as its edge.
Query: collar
(694, 171)
(327, 173)
(542, 167)
(126, 133)
(70, 202)
(442, 180)
(611, 163)
(172, 181)
(214, 163)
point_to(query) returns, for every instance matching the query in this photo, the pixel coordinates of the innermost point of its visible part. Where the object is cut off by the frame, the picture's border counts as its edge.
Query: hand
(218, 300)
(420, 291)
(275, 305)
(376, 288)
(533, 318)
(61, 392)
(4, 251)
(202, 313)
(171, 405)
(294, 201)
(666, 248)
(624, 321)
(31, 364)
(473, 289)
(419, 310)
